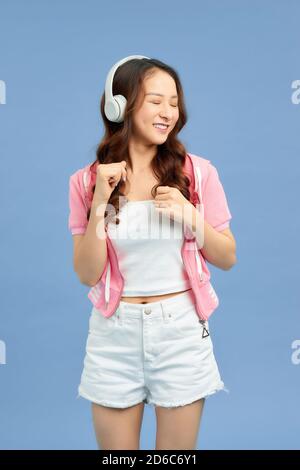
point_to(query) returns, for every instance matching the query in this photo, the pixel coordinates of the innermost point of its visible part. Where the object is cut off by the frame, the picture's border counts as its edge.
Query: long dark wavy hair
(168, 163)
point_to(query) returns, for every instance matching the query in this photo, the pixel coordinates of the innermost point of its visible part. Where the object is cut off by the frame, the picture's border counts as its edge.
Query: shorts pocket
(187, 323)
(100, 325)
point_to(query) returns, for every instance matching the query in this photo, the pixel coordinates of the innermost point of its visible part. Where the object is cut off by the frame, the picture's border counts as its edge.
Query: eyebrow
(159, 94)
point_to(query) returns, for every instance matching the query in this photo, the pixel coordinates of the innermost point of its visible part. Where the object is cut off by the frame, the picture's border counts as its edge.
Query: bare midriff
(152, 298)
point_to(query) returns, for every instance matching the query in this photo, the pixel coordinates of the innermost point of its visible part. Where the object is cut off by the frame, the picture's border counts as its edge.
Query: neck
(141, 156)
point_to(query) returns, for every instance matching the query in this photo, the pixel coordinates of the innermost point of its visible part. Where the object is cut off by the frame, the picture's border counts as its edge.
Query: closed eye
(173, 106)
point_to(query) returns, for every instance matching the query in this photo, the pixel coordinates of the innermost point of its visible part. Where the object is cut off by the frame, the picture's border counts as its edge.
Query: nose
(166, 112)
(166, 116)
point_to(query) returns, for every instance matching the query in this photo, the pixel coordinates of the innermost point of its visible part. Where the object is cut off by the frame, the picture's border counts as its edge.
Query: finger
(123, 173)
(163, 189)
(119, 176)
(114, 181)
(161, 204)
(162, 197)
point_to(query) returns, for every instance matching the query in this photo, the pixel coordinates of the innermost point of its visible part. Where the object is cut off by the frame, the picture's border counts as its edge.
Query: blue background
(237, 61)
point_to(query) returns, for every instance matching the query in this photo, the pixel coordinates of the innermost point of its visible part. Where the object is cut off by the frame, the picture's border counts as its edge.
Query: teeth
(160, 126)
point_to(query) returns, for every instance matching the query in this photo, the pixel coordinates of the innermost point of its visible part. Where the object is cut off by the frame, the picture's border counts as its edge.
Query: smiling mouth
(163, 127)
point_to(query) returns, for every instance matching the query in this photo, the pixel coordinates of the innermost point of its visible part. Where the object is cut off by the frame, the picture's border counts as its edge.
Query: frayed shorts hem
(173, 404)
(170, 404)
(111, 404)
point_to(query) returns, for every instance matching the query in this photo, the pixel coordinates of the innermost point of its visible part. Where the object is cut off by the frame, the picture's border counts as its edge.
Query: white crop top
(148, 246)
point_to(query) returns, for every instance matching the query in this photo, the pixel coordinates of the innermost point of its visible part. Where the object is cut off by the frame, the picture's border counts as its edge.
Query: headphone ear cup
(115, 110)
(122, 102)
(114, 107)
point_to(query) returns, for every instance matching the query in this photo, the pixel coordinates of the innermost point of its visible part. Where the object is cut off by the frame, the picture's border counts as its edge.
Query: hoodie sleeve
(216, 210)
(78, 213)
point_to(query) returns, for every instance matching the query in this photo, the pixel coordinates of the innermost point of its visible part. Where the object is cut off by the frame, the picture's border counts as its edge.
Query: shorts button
(147, 311)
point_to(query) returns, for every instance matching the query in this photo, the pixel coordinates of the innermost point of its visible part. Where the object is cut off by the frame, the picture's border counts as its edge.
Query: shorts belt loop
(120, 314)
(164, 312)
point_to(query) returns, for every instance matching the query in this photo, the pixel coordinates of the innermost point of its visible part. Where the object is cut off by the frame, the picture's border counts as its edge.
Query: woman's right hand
(108, 177)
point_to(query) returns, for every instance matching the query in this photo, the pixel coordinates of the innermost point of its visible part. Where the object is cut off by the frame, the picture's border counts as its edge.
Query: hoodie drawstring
(107, 285)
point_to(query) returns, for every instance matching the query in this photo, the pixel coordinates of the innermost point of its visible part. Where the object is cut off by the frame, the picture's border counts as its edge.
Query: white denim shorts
(158, 353)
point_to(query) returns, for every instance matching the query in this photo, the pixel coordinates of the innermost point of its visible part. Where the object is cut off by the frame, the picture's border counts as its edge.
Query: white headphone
(114, 107)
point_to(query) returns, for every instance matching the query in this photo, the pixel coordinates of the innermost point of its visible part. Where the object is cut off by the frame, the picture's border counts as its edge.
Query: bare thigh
(118, 428)
(177, 428)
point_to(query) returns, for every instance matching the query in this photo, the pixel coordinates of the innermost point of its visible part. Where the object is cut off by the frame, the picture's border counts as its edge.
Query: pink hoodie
(209, 195)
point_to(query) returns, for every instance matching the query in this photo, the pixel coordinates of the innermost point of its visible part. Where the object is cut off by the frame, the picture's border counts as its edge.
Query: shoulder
(80, 178)
(78, 174)
(205, 165)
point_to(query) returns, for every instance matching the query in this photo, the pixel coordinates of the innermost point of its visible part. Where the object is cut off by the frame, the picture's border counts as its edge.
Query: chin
(156, 141)
(161, 137)
(160, 141)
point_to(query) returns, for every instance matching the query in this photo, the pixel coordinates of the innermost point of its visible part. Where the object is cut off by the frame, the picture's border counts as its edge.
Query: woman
(150, 350)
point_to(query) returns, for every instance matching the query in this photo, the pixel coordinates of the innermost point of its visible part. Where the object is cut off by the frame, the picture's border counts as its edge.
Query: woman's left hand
(171, 202)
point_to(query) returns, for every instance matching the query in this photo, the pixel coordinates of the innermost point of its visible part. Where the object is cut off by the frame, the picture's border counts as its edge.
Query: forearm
(216, 247)
(92, 252)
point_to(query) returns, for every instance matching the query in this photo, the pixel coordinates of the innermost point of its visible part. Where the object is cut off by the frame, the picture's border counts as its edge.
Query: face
(158, 104)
